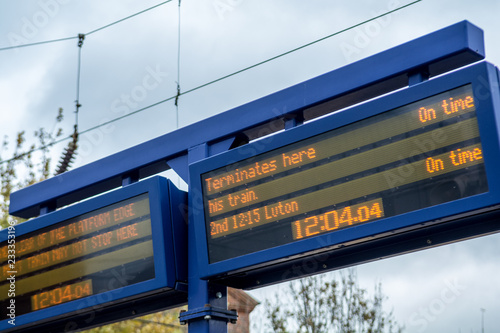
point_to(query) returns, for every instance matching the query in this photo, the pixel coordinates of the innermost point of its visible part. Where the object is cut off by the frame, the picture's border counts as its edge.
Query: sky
(133, 64)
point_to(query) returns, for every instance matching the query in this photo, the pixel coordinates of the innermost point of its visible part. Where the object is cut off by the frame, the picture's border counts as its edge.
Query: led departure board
(108, 250)
(399, 163)
(77, 258)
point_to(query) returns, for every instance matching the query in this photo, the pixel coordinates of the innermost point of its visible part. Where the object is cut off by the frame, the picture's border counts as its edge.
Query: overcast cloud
(133, 64)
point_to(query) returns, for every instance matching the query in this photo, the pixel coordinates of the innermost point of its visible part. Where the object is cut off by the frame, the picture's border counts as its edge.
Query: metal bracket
(208, 312)
(418, 76)
(294, 120)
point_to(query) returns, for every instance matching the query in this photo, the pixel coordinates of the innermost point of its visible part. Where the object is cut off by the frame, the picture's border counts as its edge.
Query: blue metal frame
(484, 79)
(168, 247)
(446, 49)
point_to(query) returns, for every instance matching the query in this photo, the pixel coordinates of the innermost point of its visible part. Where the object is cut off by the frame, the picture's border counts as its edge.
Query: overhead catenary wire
(300, 47)
(247, 68)
(88, 33)
(179, 93)
(128, 17)
(37, 43)
(80, 38)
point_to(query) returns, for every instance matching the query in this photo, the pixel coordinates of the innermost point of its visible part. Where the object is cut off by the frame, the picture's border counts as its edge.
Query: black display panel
(416, 156)
(78, 257)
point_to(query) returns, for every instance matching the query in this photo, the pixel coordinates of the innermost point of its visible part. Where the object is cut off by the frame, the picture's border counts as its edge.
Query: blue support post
(207, 303)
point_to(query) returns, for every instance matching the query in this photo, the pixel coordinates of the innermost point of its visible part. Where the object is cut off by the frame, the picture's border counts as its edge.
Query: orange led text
(447, 107)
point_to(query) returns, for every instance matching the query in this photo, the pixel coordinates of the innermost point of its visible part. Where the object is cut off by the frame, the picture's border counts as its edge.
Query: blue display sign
(400, 163)
(112, 249)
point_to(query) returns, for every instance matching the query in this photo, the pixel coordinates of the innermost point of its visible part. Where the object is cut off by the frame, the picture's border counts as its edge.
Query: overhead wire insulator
(81, 38)
(68, 155)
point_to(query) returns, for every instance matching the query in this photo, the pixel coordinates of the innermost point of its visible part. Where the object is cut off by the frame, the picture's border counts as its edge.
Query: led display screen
(415, 156)
(78, 257)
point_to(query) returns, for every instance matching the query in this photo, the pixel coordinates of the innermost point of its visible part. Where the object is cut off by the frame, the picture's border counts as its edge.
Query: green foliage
(160, 322)
(26, 165)
(317, 304)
